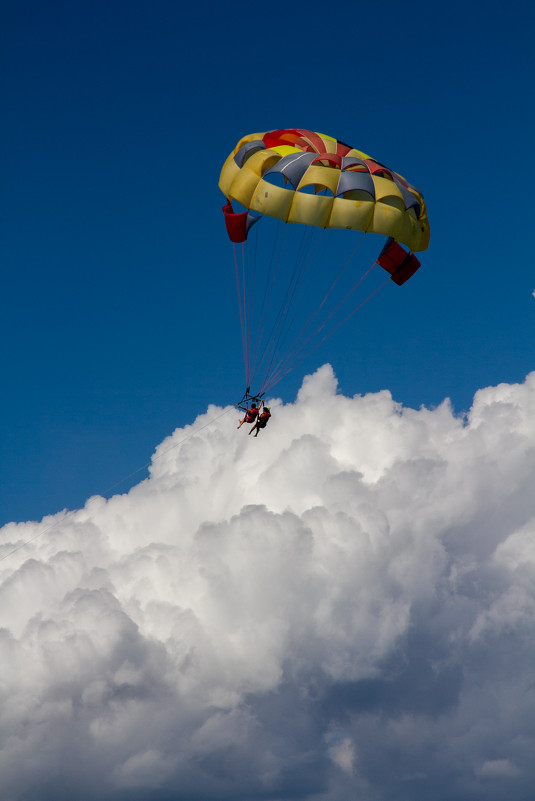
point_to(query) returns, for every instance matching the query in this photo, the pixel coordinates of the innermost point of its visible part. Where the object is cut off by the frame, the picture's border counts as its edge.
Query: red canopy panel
(238, 223)
(395, 260)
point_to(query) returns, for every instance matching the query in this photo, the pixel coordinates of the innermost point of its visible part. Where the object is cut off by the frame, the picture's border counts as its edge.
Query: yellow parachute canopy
(305, 177)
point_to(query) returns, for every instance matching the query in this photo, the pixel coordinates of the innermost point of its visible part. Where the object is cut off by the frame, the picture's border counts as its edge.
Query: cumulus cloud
(342, 607)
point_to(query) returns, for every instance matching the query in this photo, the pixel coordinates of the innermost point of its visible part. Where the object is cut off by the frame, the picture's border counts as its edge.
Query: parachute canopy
(295, 291)
(305, 177)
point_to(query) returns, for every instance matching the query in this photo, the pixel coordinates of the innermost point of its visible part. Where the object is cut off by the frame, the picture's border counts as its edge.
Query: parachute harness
(248, 398)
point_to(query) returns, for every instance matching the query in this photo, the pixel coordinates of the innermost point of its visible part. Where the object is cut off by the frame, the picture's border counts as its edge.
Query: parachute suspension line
(249, 276)
(306, 262)
(333, 285)
(268, 293)
(295, 347)
(244, 296)
(245, 284)
(259, 317)
(253, 291)
(245, 303)
(242, 322)
(293, 358)
(271, 276)
(271, 344)
(282, 325)
(286, 368)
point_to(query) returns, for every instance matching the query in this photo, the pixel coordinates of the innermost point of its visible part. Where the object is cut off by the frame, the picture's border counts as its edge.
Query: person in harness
(250, 413)
(262, 421)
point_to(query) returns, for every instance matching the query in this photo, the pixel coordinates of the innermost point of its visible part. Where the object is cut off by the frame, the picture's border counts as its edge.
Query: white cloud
(358, 580)
(497, 768)
(342, 751)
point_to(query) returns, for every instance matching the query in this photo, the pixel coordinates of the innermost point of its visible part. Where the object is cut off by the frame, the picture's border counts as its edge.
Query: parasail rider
(250, 413)
(262, 421)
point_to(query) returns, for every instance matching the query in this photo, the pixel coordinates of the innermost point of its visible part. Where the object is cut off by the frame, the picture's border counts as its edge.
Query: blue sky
(119, 317)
